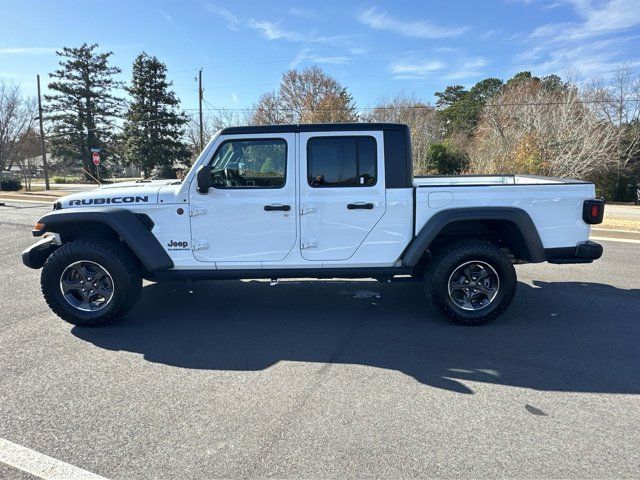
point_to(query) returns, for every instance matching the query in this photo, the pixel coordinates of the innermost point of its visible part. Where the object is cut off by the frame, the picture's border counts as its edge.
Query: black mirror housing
(203, 178)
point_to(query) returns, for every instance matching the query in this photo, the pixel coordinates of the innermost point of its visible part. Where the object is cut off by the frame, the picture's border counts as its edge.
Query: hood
(117, 194)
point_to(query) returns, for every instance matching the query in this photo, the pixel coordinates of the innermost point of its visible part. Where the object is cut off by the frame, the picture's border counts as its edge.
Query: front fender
(127, 225)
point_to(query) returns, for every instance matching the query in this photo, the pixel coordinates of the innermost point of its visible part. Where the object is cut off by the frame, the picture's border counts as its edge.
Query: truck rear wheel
(470, 282)
(91, 282)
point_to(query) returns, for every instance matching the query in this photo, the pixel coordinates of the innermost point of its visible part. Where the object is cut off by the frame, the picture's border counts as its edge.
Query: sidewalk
(621, 217)
(41, 195)
(46, 196)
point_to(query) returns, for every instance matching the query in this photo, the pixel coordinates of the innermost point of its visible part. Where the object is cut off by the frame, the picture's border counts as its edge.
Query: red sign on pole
(96, 158)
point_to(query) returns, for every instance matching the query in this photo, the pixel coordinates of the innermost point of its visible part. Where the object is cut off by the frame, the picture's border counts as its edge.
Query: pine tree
(84, 108)
(154, 128)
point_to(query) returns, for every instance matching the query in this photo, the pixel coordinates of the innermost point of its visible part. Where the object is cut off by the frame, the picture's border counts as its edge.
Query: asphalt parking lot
(340, 379)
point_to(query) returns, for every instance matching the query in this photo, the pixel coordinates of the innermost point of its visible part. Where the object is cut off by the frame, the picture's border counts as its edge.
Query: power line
(414, 107)
(138, 122)
(378, 108)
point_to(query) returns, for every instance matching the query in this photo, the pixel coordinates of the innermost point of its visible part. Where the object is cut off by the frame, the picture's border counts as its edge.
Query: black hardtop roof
(313, 127)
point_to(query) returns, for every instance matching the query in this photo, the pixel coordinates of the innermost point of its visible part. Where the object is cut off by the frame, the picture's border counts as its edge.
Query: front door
(342, 192)
(249, 215)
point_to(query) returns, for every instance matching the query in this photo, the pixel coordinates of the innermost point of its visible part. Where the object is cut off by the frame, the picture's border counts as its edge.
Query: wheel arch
(513, 225)
(116, 223)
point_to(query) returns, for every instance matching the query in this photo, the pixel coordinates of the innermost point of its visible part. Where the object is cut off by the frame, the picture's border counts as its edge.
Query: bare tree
(424, 122)
(17, 116)
(28, 155)
(267, 111)
(617, 101)
(307, 96)
(530, 129)
(214, 120)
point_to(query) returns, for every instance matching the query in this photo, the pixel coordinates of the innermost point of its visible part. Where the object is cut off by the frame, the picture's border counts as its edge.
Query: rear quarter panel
(556, 209)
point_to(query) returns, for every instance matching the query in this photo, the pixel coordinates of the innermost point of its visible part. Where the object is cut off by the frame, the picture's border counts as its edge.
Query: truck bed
(479, 180)
(554, 204)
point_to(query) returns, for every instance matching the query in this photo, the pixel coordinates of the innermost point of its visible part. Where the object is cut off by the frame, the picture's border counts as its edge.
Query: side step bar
(382, 274)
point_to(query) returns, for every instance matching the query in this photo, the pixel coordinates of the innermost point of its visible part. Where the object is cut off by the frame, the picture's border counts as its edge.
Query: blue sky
(376, 48)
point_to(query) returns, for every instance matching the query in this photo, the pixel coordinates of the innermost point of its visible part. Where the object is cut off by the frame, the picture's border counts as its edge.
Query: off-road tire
(445, 261)
(114, 258)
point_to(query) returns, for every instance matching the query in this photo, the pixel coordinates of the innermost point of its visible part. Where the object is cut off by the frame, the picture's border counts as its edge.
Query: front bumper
(585, 252)
(37, 254)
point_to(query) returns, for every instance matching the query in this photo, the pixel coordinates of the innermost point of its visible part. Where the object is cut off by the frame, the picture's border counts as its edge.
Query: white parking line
(609, 239)
(40, 465)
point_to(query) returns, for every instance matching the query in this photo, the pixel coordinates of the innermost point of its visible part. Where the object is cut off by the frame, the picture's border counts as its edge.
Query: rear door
(342, 192)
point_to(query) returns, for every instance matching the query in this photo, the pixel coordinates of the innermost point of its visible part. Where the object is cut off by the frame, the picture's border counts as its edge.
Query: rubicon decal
(109, 200)
(173, 245)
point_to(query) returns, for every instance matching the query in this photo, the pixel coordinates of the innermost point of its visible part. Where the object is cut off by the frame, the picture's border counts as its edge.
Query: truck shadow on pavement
(564, 336)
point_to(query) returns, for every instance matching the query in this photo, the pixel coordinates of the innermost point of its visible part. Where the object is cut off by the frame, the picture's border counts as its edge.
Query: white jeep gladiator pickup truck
(311, 201)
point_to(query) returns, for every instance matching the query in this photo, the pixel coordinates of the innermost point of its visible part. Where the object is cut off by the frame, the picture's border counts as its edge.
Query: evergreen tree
(461, 108)
(446, 159)
(154, 128)
(451, 95)
(83, 109)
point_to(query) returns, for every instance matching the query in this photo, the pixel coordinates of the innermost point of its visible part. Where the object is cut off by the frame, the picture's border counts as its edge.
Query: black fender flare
(126, 224)
(437, 222)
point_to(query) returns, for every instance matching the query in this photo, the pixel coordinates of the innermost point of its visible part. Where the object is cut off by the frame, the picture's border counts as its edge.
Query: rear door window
(341, 162)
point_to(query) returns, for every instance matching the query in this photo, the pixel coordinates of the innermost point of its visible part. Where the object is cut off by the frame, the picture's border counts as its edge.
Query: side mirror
(203, 178)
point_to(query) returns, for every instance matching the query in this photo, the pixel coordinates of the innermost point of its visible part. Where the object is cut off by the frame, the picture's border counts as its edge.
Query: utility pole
(200, 102)
(43, 147)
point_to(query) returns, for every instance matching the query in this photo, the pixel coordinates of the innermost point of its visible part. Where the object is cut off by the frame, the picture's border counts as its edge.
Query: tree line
(526, 124)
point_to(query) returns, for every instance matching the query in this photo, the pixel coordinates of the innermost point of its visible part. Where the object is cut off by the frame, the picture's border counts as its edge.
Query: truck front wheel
(91, 282)
(470, 282)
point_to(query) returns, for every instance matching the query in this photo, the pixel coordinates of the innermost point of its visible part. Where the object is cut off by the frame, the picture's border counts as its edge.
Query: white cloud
(232, 20)
(595, 20)
(489, 33)
(27, 50)
(445, 49)
(300, 57)
(336, 60)
(167, 17)
(234, 97)
(409, 28)
(302, 12)
(357, 51)
(457, 70)
(467, 69)
(614, 14)
(305, 55)
(405, 70)
(272, 30)
(593, 44)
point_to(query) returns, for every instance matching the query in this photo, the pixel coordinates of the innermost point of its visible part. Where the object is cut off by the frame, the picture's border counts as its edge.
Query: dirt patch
(621, 224)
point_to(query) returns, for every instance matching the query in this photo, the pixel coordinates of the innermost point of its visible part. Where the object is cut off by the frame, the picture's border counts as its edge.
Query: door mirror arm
(203, 177)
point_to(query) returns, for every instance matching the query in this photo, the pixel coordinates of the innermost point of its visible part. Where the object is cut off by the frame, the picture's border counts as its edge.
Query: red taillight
(593, 211)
